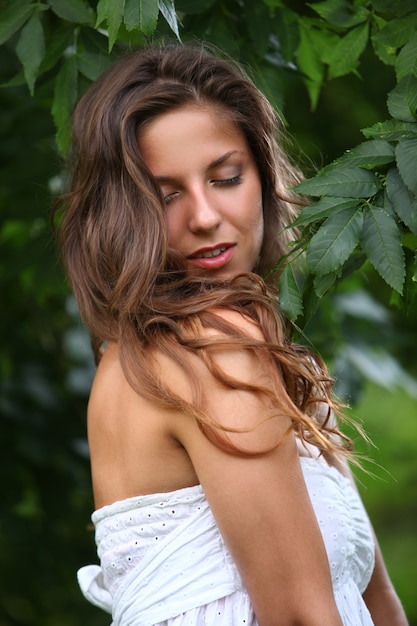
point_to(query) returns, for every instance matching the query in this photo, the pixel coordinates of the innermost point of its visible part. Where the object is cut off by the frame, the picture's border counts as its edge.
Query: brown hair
(130, 286)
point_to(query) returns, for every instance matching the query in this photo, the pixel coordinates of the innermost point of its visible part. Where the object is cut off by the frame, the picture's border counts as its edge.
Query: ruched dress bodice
(163, 560)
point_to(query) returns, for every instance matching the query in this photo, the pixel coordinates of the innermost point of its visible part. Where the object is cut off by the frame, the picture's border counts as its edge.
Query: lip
(212, 263)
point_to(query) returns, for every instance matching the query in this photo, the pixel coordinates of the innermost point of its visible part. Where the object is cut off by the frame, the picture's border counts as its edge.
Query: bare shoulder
(240, 321)
(108, 370)
(233, 358)
(235, 385)
(110, 386)
(111, 395)
(132, 447)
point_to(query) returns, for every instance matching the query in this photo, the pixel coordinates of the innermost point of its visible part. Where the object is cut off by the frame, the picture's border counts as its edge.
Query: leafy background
(332, 68)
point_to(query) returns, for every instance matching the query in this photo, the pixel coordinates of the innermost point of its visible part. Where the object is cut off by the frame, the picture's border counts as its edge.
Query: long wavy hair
(130, 286)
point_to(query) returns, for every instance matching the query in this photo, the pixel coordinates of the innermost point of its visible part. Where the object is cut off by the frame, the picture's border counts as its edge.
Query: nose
(204, 215)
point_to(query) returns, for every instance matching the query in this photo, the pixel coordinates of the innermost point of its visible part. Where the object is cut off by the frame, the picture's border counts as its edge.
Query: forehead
(198, 130)
(202, 113)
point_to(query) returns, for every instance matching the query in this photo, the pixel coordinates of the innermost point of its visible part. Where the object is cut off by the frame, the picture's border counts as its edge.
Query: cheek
(174, 230)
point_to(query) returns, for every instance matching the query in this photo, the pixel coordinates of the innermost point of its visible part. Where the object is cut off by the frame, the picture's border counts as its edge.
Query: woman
(220, 488)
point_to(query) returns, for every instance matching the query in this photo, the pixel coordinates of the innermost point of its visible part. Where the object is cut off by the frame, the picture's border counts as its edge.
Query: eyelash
(236, 180)
(169, 197)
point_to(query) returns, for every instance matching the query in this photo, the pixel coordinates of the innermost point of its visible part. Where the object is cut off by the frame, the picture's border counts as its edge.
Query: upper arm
(260, 502)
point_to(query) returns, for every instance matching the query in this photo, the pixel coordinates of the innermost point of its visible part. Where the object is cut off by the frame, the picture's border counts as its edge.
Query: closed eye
(222, 182)
(169, 197)
(236, 180)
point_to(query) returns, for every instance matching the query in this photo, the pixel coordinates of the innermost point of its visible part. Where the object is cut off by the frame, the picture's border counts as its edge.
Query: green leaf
(285, 24)
(323, 208)
(310, 299)
(341, 182)
(289, 294)
(314, 50)
(382, 243)
(396, 8)
(392, 34)
(410, 284)
(258, 23)
(391, 130)
(76, 11)
(385, 53)
(324, 283)
(383, 200)
(340, 12)
(401, 199)
(402, 100)
(13, 17)
(93, 65)
(406, 153)
(58, 41)
(141, 15)
(30, 49)
(407, 59)
(369, 154)
(324, 42)
(346, 54)
(65, 97)
(167, 9)
(334, 241)
(309, 60)
(396, 33)
(310, 64)
(111, 12)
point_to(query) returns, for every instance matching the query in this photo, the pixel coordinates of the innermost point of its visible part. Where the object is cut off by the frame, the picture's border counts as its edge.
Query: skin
(138, 448)
(211, 187)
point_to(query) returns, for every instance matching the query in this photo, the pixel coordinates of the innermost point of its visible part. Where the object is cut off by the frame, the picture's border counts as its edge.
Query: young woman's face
(211, 187)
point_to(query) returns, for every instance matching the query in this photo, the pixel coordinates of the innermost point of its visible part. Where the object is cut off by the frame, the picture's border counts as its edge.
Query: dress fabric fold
(163, 561)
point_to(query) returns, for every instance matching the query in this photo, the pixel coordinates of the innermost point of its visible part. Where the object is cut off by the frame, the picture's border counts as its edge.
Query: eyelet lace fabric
(163, 561)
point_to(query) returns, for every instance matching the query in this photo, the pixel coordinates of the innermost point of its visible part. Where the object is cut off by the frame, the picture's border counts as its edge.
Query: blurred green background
(390, 494)
(46, 365)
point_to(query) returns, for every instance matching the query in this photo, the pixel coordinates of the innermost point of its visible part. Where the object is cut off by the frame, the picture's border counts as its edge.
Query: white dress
(163, 560)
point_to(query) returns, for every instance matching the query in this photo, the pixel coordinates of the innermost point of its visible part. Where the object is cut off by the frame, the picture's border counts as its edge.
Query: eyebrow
(222, 159)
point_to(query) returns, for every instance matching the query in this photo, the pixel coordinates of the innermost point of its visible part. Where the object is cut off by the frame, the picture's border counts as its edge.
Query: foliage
(351, 288)
(67, 38)
(375, 182)
(366, 200)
